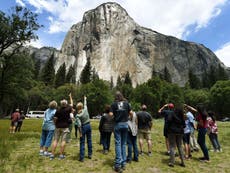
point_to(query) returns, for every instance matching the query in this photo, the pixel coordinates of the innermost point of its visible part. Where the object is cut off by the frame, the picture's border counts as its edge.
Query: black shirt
(144, 120)
(120, 111)
(63, 117)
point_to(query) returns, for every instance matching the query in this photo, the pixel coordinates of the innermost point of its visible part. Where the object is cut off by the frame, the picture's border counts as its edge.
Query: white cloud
(224, 54)
(19, 2)
(167, 17)
(36, 43)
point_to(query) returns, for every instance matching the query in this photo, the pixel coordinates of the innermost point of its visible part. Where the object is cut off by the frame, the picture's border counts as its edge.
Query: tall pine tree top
(48, 72)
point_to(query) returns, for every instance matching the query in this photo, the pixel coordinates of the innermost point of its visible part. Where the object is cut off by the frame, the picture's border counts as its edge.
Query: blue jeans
(105, 140)
(86, 132)
(201, 141)
(214, 140)
(46, 138)
(120, 136)
(132, 146)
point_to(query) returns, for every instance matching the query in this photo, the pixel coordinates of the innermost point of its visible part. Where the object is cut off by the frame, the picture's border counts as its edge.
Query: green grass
(19, 153)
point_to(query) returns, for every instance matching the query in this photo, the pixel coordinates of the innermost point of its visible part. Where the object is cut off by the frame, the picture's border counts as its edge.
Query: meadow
(19, 153)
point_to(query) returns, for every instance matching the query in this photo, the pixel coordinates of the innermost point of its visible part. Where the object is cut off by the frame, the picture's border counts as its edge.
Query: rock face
(115, 44)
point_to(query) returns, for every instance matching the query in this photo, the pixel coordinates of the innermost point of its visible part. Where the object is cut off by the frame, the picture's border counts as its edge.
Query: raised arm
(163, 107)
(190, 108)
(70, 99)
(85, 102)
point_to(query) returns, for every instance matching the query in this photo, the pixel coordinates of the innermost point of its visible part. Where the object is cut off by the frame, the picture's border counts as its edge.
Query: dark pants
(105, 140)
(201, 141)
(214, 140)
(18, 127)
(76, 129)
(86, 132)
(175, 140)
(132, 146)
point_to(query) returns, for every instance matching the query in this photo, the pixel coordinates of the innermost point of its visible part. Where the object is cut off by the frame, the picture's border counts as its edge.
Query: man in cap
(14, 120)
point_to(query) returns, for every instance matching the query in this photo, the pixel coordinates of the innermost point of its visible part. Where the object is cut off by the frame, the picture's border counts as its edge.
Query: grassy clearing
(19, 153)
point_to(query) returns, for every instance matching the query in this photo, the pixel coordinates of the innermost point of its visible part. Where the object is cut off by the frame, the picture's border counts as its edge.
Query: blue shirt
(188, 122)
(48, 123)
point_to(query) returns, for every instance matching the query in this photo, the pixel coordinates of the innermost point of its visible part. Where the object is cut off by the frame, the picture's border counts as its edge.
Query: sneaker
(105, 152)
(136, 160)
(117, 169)
(41, 153)
(81, 160)
(220, 150)
(51, 157)
(149, 154)
(89, 157)
(141, 153)
(61, 157)
(128, 161)
(46, 154)
(203, 159)
(123, 167)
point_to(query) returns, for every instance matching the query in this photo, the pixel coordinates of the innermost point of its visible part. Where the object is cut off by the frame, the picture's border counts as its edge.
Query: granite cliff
(116, 44)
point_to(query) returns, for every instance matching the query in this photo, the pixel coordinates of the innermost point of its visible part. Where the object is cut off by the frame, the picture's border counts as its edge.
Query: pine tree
(167, 76)
(95, 75)
(60, 76)
(205, 80)
(71, 76)
(86, 73)
(194, 81)
(48, 72)
(37, 67)
(128, 80)
(221, 73)
(119, 82)
(111, 83)
(212, 75)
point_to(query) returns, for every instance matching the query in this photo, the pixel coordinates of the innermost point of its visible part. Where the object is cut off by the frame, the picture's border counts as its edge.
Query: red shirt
(15, 116)
(202, 121)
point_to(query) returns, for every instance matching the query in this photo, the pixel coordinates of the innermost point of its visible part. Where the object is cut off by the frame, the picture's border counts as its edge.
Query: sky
(205, 22)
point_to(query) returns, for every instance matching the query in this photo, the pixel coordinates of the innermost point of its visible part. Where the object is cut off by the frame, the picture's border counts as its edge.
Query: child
(213, 131)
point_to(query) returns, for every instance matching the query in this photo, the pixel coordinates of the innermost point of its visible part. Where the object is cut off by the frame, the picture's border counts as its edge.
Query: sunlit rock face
(116, 44)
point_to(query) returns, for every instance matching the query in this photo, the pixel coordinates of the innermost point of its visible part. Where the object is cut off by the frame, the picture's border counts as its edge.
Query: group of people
(58, 123)
(128, 127)
(179, 128)
(17, 118)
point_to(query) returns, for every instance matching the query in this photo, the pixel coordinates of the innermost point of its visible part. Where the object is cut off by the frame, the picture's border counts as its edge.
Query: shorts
(144, 134)
(61, 133)
(186, 138)
(14, 123)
